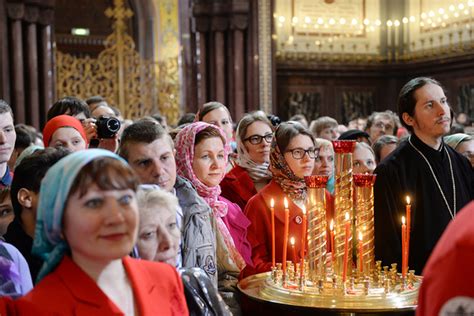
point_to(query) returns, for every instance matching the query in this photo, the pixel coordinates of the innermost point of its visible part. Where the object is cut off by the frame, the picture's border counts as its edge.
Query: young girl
(291, 159)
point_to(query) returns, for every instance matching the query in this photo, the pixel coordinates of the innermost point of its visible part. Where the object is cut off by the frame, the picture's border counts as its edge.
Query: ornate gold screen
(135, 85)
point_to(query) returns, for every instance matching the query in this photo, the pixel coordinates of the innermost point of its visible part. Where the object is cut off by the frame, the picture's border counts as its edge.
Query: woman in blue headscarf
(86, 227)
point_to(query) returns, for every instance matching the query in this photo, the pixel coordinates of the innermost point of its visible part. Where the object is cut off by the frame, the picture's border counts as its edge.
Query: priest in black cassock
(438, 180)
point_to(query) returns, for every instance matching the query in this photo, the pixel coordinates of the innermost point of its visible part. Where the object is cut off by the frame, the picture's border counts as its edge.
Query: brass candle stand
(364, 218)
(369, 287)
(317, 226)
(343, 202)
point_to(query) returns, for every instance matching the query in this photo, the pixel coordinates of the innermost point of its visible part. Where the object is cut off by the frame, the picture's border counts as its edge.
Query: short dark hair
(406, 97)
(4, 107)
(70, 106)
(30, 172)
(107, 173)
(186, 118)
(143, 131)
(95, 99)
(24, 137)
(208, 132)
(287, 130)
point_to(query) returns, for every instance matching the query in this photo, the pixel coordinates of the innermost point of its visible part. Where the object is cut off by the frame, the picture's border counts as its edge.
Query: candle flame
(347, 216)
(408, 200)
(272, 203)
(403, 220)
(360, 236)
(304, 210)
(331, 225)
(292, 241)
(285, 201)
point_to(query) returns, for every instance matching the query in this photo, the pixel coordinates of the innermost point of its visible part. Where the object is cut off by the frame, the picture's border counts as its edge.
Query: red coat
(447, 277)
(237, 186)
(68, 290)
(259, 232)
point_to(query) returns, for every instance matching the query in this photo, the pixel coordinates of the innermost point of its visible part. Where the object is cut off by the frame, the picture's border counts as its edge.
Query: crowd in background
(98, 210)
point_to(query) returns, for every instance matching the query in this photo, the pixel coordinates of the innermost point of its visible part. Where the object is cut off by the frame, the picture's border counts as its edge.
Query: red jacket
(68, 290)
(447, 278)
(237, 186)
(259, 232)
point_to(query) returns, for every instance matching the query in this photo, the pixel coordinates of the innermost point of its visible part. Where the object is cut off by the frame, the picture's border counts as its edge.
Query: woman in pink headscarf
(201, 157)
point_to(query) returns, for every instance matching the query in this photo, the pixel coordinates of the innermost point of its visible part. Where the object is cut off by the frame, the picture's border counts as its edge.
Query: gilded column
(364, 219)
(317, 226)
(343, 203)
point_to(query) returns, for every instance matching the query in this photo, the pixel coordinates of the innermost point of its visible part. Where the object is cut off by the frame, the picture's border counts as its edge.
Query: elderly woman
(250, 174)
(463, 144)
(65, 131)
(363, 159)
(159, 239)
(291, 159)
(201, 157)
(86, 227)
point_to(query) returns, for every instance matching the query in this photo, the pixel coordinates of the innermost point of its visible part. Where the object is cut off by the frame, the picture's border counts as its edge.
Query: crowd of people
(149, 219)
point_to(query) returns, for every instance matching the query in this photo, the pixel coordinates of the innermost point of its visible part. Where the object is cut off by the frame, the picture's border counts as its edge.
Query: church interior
(383, 149)
(342, 59)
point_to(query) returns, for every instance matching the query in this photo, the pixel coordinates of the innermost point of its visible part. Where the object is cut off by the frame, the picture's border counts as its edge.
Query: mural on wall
(356, 104)
(466, 99)
(306, 103)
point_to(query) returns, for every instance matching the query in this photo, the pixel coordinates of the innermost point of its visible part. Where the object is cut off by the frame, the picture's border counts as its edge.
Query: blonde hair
(324, 143)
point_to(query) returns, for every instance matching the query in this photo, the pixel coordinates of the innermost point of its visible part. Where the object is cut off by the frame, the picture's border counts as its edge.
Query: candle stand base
(322, 298)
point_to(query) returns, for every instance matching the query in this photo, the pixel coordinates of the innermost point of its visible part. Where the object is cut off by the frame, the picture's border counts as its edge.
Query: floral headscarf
(48, 243)
(292, 185)
(184, 143)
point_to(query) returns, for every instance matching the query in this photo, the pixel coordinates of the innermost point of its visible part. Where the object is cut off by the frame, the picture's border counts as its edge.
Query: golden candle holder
(376, 290)
(317, 225)
(364, 223)
(343, 202)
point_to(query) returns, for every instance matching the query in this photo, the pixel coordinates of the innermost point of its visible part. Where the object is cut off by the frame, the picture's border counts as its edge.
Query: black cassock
(405, 172)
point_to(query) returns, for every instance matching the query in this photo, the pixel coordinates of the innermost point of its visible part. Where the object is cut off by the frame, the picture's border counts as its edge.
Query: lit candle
(346, 248)
(285, 236)
(408, 215)
(361, 254)
(303, 242)
(331, 232)
(293, 251)
(404, 246)
(272, 210)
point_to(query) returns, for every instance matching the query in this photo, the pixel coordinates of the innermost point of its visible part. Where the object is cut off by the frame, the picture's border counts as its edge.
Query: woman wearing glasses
(292, 156)
(250, 174)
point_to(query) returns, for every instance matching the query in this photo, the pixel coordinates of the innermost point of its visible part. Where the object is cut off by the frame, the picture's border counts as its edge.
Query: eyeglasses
(384, 126)
(298, 153)
(257, 139)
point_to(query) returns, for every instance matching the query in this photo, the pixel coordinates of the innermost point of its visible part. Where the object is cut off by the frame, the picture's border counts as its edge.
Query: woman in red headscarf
(65, 131)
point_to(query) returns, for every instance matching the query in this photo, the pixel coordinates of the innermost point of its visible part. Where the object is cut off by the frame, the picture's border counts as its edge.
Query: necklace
(453, 214)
